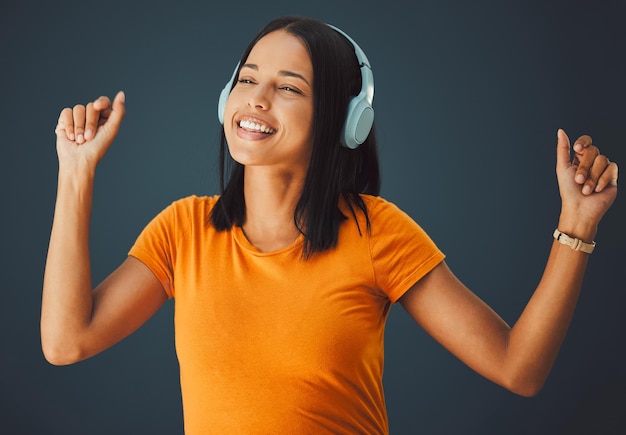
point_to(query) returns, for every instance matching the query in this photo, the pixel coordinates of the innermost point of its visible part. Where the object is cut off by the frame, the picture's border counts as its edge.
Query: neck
(271, 200)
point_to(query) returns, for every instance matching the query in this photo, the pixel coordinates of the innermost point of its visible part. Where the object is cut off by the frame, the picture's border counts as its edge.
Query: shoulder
(400, 250)
(195, 202)
(192, 205)
(389, 220)
(378, 208)
(375, 201)
(380, 216)
(185, 213)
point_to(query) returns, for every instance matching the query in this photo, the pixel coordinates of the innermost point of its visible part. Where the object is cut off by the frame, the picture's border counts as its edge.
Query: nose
(260, 97)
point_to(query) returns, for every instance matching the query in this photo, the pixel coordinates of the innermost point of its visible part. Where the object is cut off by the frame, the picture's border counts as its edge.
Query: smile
(254, 126)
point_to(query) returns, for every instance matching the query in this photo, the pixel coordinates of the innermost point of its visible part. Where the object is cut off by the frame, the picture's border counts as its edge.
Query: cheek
(303, 116)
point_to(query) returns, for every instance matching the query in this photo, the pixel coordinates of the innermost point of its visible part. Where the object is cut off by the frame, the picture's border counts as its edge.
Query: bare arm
(77, 322)
(520, 358)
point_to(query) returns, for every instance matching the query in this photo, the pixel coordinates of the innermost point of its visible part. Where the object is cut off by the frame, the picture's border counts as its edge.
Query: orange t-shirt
(270, 343)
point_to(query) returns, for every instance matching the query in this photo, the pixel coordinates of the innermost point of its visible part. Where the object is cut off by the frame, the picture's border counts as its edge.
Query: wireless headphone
(360, 114)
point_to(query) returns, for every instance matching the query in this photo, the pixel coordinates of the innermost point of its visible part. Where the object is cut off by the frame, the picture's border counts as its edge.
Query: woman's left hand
(587, 183)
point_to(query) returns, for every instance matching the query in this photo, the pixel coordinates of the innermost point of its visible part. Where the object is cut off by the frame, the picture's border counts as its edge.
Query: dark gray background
(469, 96)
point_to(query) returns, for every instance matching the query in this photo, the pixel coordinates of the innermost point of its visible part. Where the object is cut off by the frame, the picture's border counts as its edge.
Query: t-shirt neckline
(243, 242)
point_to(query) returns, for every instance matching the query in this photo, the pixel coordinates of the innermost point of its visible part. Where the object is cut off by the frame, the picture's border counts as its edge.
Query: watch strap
(573, 242)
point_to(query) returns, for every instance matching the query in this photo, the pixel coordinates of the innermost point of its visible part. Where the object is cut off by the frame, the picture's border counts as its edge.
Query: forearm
(536, 337)
(67, 287)
(520, 358)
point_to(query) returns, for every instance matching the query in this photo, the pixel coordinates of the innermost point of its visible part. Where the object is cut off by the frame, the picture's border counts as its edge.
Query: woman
(284, 281)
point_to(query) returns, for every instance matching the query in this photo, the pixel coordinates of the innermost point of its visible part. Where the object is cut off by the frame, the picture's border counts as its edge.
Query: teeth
(258, 127)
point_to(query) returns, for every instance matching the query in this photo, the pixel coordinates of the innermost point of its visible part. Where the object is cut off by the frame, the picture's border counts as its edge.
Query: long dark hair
(334, 171)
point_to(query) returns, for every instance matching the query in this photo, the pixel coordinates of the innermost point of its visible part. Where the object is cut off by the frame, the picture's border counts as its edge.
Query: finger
(582, 143)
(65, 123)
(608, 177)
(118, 110)
(78, 114)
(103, 105)
(91, 121)
(584, 160)
(598, 167)
(119, 102)
(562, 151)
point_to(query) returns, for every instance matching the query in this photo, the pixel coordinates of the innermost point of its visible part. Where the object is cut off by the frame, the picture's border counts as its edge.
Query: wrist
(579, 228)
(77, 168)
(75, 181)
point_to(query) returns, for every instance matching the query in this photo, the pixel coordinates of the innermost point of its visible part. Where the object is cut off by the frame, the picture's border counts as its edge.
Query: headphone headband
(360, 113)
(367, 86)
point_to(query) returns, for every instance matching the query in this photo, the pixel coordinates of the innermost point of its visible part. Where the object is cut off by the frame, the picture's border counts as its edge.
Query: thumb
(118, 110)
(563, 153)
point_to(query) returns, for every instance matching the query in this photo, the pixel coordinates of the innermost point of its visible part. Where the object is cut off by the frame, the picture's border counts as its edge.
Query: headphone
(360, 114)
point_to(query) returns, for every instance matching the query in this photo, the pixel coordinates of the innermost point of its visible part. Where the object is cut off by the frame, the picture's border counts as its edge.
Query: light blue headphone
(360, 114)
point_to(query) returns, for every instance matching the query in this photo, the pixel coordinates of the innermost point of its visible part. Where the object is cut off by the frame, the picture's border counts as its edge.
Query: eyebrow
(284, 73)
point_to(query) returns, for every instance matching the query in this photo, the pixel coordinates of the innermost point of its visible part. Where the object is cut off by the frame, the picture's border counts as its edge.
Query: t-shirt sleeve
(156, 246)
(402, 253)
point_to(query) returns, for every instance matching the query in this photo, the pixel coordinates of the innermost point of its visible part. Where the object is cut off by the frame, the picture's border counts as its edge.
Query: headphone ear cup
(221, 104)
(359, 121)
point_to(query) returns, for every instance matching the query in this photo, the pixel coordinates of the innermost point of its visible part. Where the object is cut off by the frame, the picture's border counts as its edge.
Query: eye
(291, 89)
(245, 81)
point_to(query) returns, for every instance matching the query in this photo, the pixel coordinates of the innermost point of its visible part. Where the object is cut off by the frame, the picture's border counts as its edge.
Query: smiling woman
(269, 114)
(316, 54)
(284, 281)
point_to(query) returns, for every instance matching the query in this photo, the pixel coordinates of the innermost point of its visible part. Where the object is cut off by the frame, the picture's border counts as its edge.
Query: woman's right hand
(77, 321)
(84, 133)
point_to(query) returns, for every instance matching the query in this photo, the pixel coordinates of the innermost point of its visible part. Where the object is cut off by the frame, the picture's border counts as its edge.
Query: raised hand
(84, 133)
(587, 183)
